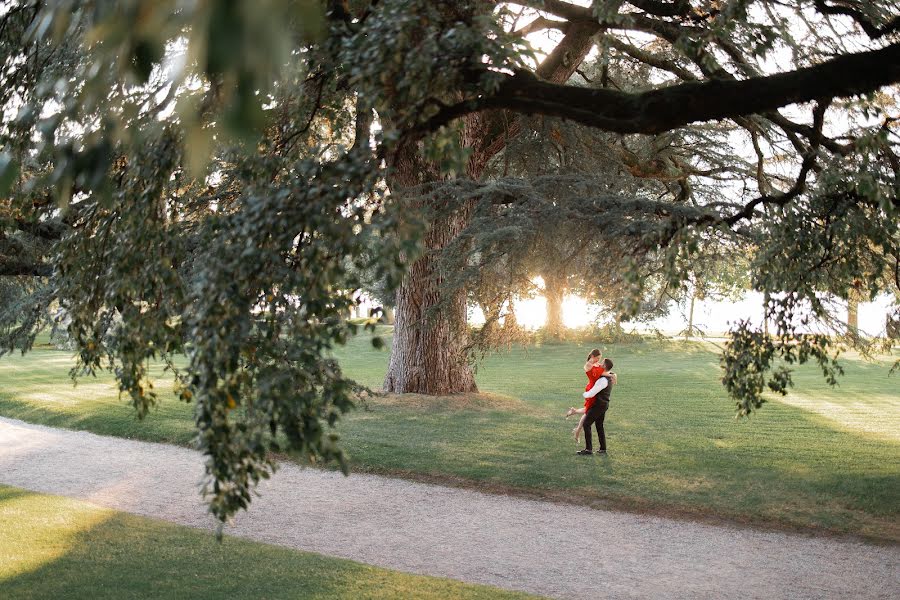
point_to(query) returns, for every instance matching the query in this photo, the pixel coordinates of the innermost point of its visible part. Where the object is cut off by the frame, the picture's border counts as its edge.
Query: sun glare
(531, 313)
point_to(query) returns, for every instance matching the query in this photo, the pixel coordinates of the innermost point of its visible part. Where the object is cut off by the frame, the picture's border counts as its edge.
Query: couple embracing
(596, 403)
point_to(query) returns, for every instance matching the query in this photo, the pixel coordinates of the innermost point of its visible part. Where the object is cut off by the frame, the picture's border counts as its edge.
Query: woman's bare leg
(577, 431)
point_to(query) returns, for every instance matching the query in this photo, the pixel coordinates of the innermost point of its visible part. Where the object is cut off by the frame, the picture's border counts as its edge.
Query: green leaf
(9, 170)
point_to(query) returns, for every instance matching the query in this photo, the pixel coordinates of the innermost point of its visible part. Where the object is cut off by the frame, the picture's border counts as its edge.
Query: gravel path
(539, 547)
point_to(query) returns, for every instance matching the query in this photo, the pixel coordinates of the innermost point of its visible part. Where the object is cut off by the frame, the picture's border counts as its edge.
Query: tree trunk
(554, 291)
(690, 328)
(388, 315)
(429, 346)
(852, 313)
(510, 322)
(428, 353)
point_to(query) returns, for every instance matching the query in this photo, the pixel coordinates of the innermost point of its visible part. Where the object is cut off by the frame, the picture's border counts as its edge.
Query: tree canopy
(214, 179)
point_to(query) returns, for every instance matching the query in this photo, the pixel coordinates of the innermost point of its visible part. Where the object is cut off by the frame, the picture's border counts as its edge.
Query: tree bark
(852, 314)
(690, 328)
(554, 291)
(430, 330)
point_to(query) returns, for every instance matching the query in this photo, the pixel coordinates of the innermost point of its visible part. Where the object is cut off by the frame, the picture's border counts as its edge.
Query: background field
(821, 458)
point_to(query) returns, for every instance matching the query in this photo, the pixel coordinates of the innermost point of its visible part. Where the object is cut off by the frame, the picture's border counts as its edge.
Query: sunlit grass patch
(872, 414)
(38, 530)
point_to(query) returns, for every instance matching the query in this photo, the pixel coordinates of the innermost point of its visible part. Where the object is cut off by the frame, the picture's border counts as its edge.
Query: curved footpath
(540, 547)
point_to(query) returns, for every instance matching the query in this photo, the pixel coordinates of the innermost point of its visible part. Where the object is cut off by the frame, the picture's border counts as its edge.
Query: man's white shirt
(599, 386)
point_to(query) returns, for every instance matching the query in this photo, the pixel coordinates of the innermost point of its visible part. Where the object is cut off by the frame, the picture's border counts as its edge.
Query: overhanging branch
(872, 30)
(677, 8)
(540, 24)
(564, 10)
(661, 110)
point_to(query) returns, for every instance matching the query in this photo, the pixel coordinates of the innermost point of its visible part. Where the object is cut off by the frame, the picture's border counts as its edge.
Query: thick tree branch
(540, 24)
(492, 132)
(677, 8)
(51, 229)
(711, 68)
(665, 109)
(872, 30)
(564, 10)
(14, 267)
(703, 59)
(569, 53)
(714, 70)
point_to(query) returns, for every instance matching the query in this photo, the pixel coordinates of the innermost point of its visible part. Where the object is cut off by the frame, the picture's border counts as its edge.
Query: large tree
(213, 177)
(723, 45)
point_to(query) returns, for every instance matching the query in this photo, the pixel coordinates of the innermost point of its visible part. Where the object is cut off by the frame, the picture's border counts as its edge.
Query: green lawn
(54, 547)
(821, 458)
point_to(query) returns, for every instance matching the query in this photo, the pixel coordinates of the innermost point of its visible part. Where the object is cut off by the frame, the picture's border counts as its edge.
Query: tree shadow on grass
(171, 423)
(123, 556)
(8, 493)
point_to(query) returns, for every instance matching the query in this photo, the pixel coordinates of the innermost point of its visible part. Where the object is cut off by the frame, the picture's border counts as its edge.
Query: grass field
(821, 458)
(54, 547)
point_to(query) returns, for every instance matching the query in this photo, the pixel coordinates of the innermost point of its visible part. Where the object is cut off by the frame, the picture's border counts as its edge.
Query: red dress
(593, 375)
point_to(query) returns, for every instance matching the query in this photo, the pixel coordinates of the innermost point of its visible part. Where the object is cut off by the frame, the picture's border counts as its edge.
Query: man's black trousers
(595, 416)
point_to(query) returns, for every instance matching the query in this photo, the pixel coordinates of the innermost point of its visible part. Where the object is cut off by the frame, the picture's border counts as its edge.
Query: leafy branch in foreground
(754, 362)
(214, 180)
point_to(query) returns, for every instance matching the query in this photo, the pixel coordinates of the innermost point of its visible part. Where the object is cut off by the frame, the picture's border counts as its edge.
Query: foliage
(749, 362)
(211, 178)
(248, 276)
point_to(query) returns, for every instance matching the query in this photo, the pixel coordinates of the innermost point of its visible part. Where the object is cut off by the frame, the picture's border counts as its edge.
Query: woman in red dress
(594, 370)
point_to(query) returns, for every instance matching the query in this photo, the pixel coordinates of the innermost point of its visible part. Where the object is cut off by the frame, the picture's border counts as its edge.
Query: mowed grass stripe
(824, 458)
